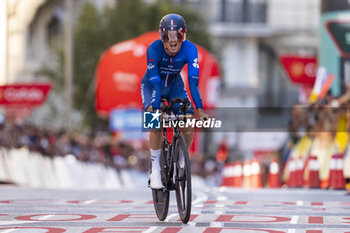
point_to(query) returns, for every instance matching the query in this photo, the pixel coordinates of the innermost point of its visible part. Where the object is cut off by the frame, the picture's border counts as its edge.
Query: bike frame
(170, 170)
(170, 156)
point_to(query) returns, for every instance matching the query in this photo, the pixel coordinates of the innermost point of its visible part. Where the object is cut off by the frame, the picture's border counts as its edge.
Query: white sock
(155, 155)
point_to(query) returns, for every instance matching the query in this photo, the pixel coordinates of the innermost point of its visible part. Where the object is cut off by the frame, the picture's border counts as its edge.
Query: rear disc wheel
(183, 179)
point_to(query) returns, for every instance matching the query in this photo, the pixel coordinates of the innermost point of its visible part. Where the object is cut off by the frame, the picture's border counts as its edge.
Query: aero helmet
(172, 27)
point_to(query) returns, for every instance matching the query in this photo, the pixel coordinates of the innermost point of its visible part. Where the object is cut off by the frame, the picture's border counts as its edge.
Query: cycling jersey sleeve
(193, 75)
(154, 78)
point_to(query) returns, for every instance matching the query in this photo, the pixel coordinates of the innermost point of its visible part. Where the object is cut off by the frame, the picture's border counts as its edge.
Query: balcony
(243, 11)
(232, 17)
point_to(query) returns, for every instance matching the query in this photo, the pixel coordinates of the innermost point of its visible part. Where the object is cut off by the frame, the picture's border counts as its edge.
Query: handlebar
(184, 106)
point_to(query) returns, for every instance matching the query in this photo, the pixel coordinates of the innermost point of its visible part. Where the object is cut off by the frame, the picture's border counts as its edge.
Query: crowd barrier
(25, 168)
(320, 161)
(246, 175)
(317, 162)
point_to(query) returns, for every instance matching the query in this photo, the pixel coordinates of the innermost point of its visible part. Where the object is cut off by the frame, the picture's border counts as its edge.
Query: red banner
(122, 66)
(300, 70)
(23, 94)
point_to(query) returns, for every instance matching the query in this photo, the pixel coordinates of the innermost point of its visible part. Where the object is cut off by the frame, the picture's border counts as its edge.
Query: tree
(89, 43)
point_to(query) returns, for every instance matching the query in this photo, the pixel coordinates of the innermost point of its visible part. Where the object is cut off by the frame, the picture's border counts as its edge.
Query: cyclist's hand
(202, 115)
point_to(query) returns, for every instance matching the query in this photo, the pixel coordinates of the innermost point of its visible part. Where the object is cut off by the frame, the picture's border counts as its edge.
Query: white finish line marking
(89, 202)
(170, 217)
(14, 222)
(294, 219)
(222, 198)
(201, 198)
(217, 224)
(8, 231)
(149, 230)
(46, 217)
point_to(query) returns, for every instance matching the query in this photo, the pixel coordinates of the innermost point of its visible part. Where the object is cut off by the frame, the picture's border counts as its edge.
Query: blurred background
(70, 72)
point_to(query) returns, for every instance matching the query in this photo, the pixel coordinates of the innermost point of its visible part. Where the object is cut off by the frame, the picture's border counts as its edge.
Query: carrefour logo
(23, 94)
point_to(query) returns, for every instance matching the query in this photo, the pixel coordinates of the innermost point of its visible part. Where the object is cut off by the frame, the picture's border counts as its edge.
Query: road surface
(214, 210)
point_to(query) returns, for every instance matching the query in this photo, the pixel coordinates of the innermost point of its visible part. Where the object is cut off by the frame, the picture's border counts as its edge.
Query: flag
(323, 83)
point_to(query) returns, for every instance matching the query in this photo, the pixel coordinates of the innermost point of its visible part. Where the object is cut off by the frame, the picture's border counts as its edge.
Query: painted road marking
(210, 202)
(222, 198)
(196, 216)
(241, 202)
(316, 220)
(45, 217)
(8, 231)
(172, 230)
(210, 220)
(90, 202)
(170, 217)
(116, 229)
(149, 230)
(209, 229)
(294, 219)
(14, 222)
(202, 197)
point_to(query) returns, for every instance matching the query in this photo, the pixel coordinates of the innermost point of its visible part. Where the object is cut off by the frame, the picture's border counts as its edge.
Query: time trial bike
(175, 166)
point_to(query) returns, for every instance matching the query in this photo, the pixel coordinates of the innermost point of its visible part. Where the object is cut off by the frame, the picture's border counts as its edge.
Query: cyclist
(165, 59)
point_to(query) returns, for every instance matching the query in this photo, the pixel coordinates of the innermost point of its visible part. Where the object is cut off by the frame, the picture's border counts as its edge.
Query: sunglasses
(173, 36)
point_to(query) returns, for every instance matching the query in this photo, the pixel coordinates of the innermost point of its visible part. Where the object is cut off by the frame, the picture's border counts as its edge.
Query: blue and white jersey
(160, 64)
(161, 68)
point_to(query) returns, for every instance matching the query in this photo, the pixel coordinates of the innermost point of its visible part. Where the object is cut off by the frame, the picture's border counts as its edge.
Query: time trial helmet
(172, 27)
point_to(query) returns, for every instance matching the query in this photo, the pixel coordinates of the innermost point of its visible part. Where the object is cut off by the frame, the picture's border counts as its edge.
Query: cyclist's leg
(178, 90)
(155, 136)
(188, 132)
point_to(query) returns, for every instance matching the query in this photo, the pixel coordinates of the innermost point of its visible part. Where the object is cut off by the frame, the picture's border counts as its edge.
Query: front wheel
(183, 179)
(161, 203)
(161, 197)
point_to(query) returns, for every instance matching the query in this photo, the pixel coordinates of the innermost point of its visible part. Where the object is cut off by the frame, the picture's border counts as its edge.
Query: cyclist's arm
(193, 75)
(154, 78)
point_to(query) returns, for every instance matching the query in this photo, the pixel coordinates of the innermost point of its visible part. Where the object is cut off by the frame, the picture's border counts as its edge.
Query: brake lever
(185, 105)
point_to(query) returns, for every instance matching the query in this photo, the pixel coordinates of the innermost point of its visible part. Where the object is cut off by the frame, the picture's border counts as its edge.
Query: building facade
(30, 31)
(251, 35)
(248, 33)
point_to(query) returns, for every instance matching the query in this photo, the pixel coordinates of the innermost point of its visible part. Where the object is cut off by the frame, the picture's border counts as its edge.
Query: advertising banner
(28, 95)
(300, 70)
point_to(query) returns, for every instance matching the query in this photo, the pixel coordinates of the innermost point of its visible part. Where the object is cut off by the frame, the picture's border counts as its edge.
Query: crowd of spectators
(102, 147)
(321, 116)
(320, 128)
